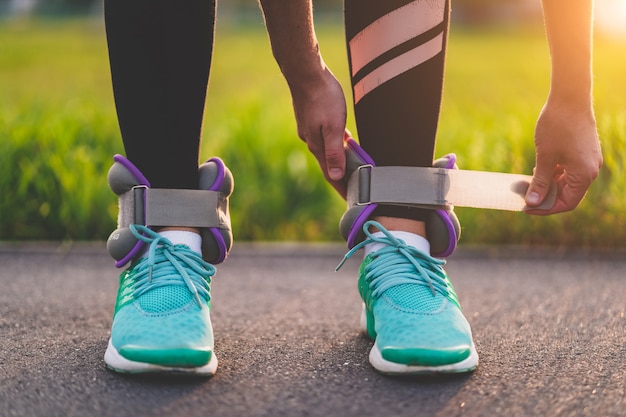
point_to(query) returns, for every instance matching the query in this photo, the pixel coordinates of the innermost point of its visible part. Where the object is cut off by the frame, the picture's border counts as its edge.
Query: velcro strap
(172, 207)
(435, 188)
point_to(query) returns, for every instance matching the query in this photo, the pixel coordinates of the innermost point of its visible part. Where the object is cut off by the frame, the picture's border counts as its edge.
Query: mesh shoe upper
(411, 308)
(162, 309)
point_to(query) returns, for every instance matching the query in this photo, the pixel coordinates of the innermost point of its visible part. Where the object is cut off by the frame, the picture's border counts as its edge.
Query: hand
(568, 152)
(320, 109)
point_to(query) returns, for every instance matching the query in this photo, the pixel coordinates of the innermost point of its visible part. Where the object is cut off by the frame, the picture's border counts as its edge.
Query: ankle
(402, 225)
(178, 228)
(411, 232)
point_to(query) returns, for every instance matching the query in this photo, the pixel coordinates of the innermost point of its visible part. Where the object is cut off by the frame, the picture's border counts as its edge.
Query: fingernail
(533, 198)
(335, 174)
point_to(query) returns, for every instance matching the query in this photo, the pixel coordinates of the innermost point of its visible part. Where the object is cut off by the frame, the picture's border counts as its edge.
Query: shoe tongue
(412, 297)
(411, 239)
(171, 297)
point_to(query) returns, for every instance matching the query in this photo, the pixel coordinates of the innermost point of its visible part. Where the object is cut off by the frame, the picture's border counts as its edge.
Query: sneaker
(411, 310)
(161, 321)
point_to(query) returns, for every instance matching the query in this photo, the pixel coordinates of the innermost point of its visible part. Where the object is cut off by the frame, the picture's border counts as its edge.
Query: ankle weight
(442, 226)
(205, 208)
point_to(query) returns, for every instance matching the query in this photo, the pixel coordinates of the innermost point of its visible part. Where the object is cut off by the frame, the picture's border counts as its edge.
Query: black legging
(160, 54)
(397, 121)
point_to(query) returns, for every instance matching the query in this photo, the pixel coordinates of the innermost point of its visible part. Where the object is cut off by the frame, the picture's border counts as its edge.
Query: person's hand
(568, 153)
(320, 108)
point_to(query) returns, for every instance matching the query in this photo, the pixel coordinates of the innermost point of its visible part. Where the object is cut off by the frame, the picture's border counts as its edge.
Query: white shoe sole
(118, 363)
(392, 368)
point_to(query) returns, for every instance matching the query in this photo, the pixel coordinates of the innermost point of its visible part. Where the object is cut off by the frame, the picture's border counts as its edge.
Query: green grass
(58, 131)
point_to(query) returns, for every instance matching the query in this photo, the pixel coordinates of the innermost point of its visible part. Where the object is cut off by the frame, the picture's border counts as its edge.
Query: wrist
(308, 78)
(573, 98)
(302, 68)
(561, 110)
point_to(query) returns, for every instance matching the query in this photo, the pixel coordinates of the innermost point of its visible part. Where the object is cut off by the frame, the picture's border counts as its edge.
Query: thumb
(335, 154)
(539, 185)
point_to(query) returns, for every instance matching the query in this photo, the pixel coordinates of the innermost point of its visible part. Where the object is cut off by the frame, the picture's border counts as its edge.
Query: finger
(572, 193)
(334, 153)
(569, 194)
(540, 184)
(316, 147)
(340, 186)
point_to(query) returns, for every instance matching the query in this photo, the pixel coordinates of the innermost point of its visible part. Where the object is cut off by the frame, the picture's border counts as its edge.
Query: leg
(396, 50)
(160, 56)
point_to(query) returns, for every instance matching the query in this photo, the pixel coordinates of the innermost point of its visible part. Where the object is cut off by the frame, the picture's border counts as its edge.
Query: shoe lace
(398, 263)
(169, 264)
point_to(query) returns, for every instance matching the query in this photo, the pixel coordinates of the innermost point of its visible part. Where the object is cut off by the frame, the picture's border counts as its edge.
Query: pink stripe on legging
(397, 66)
(392, 29)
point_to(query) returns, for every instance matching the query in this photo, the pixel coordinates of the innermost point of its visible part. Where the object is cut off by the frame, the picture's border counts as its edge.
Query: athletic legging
(397, 52)
(160, 55)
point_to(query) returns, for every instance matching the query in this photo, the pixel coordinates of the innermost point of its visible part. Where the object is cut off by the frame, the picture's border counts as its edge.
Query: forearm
(568, 151)
(292, 36)
(318, 100)
(569, 31)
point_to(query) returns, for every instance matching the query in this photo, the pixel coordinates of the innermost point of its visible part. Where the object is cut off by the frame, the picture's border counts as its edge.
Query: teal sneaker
(411, 310)
(161, 321)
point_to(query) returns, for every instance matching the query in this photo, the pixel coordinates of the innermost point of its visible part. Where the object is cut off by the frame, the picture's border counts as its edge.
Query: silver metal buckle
(140, 206)
(364, 180)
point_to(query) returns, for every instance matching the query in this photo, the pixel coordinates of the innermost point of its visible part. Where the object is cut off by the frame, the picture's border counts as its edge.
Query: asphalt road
(550, 328)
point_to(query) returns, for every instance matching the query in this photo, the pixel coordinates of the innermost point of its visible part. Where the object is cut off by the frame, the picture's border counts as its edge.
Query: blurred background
(58, 127)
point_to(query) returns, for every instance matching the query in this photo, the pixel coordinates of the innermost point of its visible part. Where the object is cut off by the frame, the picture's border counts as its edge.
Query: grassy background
(58, 131)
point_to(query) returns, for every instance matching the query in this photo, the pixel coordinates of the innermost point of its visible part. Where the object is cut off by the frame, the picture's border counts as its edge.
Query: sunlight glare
(610, 16)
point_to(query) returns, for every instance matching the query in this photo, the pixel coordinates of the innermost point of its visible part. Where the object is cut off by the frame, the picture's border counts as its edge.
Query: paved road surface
(550, 328)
